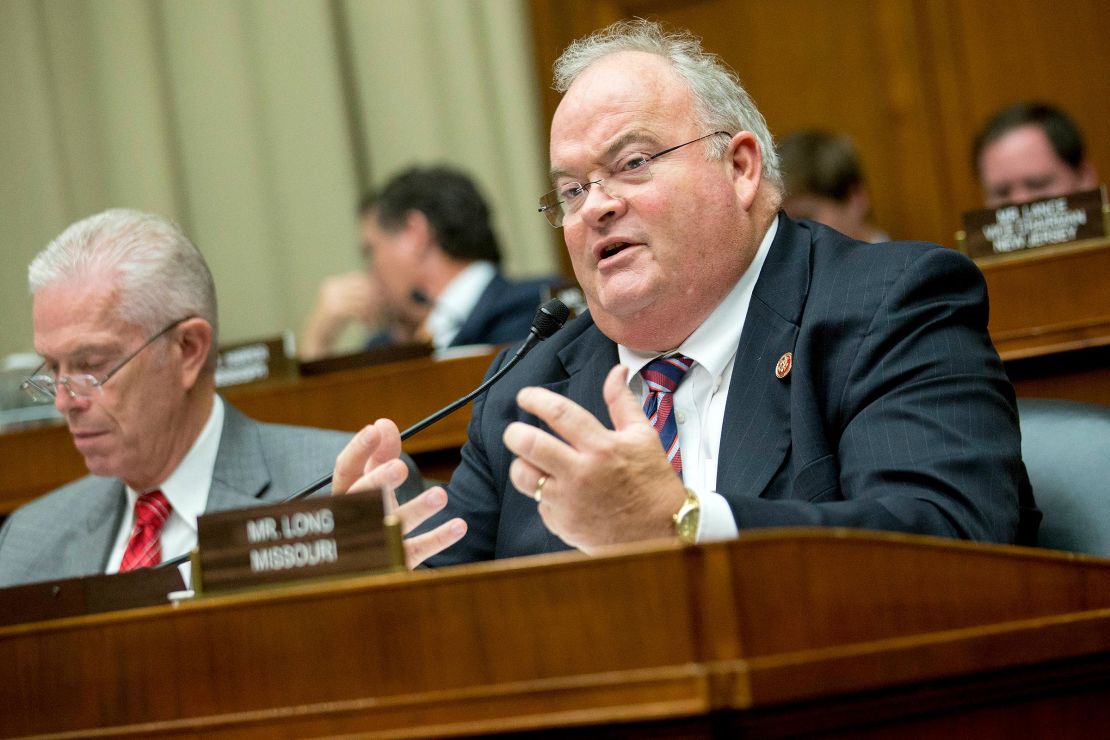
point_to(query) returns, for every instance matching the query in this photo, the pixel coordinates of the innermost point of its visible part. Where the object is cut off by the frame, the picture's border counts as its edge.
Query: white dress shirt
(186, 489)
(457, 301)
(699, 401)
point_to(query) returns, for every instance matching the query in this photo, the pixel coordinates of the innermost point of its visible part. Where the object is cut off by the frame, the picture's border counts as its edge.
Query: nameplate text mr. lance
(1033, 224)
(1075, 217)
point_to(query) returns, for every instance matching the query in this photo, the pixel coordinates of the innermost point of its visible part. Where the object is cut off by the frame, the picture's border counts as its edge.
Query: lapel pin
(782, 367)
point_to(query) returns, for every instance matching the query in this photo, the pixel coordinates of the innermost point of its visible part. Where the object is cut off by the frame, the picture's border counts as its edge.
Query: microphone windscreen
(550, 318)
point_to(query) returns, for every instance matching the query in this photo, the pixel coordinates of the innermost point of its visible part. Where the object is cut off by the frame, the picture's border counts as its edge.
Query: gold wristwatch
(687, 518)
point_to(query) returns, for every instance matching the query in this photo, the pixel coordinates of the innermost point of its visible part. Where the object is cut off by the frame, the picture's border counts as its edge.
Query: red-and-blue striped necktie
(662, 376)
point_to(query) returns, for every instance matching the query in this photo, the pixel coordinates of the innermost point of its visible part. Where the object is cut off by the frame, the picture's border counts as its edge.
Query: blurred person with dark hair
(433, 271)
(824, 183)
(1029, 151)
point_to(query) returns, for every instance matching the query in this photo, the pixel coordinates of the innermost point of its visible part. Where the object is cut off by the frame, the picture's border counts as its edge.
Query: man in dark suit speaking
(125, 317)
(795, 377)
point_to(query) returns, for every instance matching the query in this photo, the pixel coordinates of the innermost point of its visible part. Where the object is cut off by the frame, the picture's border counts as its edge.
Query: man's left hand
(600, 486)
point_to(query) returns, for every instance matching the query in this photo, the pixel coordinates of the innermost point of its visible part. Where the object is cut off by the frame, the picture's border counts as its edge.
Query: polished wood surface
(779, 633)
(33, 461)
(1050, 319)
(1049, 300)
(911, 81)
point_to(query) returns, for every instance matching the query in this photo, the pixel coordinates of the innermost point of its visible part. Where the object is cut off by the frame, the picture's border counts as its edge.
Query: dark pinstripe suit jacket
(897, 414)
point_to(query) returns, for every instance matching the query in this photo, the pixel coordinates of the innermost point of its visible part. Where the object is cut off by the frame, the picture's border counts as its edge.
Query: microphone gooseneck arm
(549, 318)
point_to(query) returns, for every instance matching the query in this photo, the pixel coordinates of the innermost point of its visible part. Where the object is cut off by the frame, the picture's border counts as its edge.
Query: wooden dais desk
(825, 633)
(1050, 319)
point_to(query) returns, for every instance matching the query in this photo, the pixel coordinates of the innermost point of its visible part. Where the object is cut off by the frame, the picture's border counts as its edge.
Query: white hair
(720, 101)
(161, 276)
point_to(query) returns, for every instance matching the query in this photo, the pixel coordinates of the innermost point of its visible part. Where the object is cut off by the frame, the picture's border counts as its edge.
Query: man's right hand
(372, 461)
(352, 296)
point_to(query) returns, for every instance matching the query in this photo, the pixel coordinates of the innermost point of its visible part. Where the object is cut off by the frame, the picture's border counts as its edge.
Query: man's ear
(859, 202)
(746, 166)
(419, 235)
(1088, 177)
(193, 339)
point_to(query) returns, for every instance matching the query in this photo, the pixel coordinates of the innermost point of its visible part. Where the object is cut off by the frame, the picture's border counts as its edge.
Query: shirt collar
(188, 485)
(713, 344)
(457, 301)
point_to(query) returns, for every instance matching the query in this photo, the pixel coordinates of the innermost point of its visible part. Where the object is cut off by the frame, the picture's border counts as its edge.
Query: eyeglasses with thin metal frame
(633, 168)
(43, 387)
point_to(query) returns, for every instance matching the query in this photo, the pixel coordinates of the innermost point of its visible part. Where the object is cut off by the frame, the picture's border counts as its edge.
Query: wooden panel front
(827, 627)
(1049, 300)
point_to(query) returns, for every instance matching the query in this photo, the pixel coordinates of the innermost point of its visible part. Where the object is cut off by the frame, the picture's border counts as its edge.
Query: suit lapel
(239, 479)
(586, 361)
(240, 476)
(471, 328)
(756, 435)
(89, 553)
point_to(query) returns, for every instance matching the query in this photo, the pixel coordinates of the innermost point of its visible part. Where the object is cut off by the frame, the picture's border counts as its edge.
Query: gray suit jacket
(70, 531)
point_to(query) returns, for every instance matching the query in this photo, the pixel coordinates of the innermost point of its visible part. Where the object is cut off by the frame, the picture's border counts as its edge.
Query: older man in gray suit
(125, 317)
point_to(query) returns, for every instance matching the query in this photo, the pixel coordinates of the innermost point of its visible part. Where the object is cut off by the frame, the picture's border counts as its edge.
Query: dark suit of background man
(1030, 151)
(835, 382)
(428, 233)
(125, 317)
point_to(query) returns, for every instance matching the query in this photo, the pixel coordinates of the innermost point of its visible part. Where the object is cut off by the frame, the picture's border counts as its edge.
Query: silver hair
(720, 101)
(160, 274)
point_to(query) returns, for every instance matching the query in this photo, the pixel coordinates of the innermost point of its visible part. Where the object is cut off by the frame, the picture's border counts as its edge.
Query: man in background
(433, 271)
(824, 182)
(1030, 151)
(736, 369)
(125, 318)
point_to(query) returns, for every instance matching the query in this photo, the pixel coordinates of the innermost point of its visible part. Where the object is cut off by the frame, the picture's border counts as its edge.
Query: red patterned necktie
(662, 376)
(144, 549)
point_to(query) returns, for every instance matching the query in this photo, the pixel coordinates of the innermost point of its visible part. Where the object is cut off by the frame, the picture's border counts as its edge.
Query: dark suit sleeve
(473, 494)
(916, 412)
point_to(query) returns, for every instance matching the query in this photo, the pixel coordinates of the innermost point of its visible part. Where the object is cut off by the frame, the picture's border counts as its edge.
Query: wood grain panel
(909, 80)
(817, 631)
(987, 54)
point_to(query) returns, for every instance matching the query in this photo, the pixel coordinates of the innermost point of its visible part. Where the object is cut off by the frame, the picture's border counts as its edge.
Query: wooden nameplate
(301, 540)
(252, 362)
(1014, 228)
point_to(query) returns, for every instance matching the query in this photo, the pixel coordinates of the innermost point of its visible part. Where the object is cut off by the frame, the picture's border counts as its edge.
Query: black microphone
(549, 319)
